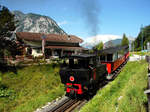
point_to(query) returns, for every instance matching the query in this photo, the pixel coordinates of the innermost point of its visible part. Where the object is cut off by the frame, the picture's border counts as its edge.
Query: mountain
(118, 42)
(90, 42)
(113, 43)
(88, 45)
(36, 23)
(113, 40)
(107, 44)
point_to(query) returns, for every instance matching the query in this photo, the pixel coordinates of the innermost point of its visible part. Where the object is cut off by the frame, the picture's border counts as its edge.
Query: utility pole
(142, 37)
(133, 46)
(43, 45)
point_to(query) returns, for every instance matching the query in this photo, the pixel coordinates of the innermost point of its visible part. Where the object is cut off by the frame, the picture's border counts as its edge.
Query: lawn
(124, 94)
(29, 88)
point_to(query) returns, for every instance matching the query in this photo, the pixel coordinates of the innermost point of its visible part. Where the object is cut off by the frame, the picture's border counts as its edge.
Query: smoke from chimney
(90, 10)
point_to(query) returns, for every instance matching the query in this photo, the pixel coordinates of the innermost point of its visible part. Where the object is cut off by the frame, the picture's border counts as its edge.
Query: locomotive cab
(81, 73)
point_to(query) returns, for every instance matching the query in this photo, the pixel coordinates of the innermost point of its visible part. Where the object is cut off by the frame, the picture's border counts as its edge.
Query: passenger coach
(113, 57)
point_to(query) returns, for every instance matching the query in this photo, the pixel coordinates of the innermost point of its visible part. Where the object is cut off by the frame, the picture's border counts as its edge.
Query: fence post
(148, 91)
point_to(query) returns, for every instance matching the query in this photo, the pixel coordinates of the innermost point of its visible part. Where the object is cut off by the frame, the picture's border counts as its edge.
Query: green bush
(7, 93)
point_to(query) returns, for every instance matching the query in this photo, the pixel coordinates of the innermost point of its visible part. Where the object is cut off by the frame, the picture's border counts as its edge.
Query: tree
(7, 22)
(143, 36)
(7, 27)
(99, 46)
(125, 40)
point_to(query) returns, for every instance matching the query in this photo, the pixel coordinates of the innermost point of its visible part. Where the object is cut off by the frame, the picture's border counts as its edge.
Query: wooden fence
(148, 90)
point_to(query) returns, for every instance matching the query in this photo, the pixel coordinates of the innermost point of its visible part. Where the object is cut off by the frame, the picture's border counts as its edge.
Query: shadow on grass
(146, 106)
(9, 68)
(5, 68)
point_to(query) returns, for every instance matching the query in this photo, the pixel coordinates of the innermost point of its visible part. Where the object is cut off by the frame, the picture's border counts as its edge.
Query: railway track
(115, 74)
(68, 105)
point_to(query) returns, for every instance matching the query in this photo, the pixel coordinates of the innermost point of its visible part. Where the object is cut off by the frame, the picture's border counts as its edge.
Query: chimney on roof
(69, 38)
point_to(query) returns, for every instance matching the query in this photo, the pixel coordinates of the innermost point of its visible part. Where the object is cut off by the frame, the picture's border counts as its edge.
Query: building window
(39, 51)
(29, 51)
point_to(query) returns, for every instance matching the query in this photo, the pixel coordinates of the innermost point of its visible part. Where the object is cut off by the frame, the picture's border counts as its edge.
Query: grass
(31, 87)
(124, 94)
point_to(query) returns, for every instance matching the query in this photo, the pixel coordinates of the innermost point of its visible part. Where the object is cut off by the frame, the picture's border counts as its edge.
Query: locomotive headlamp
(71, 78)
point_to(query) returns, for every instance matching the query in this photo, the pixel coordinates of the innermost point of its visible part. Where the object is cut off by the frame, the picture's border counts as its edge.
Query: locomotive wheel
(92, 89)
(67, 94)
(71, 95)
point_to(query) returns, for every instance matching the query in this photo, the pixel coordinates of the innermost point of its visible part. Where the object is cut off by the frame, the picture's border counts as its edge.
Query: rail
(67, 105)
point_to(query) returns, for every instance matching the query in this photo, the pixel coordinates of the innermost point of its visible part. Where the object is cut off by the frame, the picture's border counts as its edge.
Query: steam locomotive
(84, 72)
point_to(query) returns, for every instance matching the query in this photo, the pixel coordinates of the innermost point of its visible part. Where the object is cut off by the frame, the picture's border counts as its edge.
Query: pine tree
(7, 22)
(125, 40)
(7, 26)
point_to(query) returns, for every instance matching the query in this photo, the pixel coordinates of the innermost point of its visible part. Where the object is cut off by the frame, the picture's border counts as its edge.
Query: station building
(37, 44)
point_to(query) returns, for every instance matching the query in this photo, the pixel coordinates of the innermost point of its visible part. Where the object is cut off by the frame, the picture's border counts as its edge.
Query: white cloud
(103, 38)
(62, 23)
(91, 41)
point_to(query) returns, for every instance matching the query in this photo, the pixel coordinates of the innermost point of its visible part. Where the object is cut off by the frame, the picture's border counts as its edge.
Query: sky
(90, 18)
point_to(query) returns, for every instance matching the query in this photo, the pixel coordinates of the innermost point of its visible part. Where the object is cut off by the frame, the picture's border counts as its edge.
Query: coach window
(102, 57)
(109, 57)
(91, 61)
(97, 60)
(115, 56)
(94, 61)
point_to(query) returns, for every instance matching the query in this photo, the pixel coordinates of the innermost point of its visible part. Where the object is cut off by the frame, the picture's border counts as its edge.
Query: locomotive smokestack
(90, 10)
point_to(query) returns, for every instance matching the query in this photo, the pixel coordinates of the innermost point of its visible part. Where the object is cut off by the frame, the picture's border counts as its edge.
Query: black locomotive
(84, 72)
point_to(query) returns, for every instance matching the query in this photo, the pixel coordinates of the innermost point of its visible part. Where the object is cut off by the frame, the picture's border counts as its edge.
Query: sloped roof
(112, 50)
(49, 37)
(64, 47)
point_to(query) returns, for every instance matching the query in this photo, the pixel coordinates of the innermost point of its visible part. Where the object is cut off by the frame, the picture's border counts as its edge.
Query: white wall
(35, 54)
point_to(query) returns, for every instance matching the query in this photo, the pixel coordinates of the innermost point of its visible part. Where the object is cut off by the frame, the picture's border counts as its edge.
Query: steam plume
(90, 11)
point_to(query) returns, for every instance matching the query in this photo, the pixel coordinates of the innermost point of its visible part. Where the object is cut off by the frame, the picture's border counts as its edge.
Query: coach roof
(112, 50)
(80, 56)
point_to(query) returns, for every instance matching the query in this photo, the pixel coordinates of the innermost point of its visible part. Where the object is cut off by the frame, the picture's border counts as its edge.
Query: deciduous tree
(99, 46)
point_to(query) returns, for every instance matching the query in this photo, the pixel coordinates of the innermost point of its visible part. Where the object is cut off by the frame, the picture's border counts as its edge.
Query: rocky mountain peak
(36, 23)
